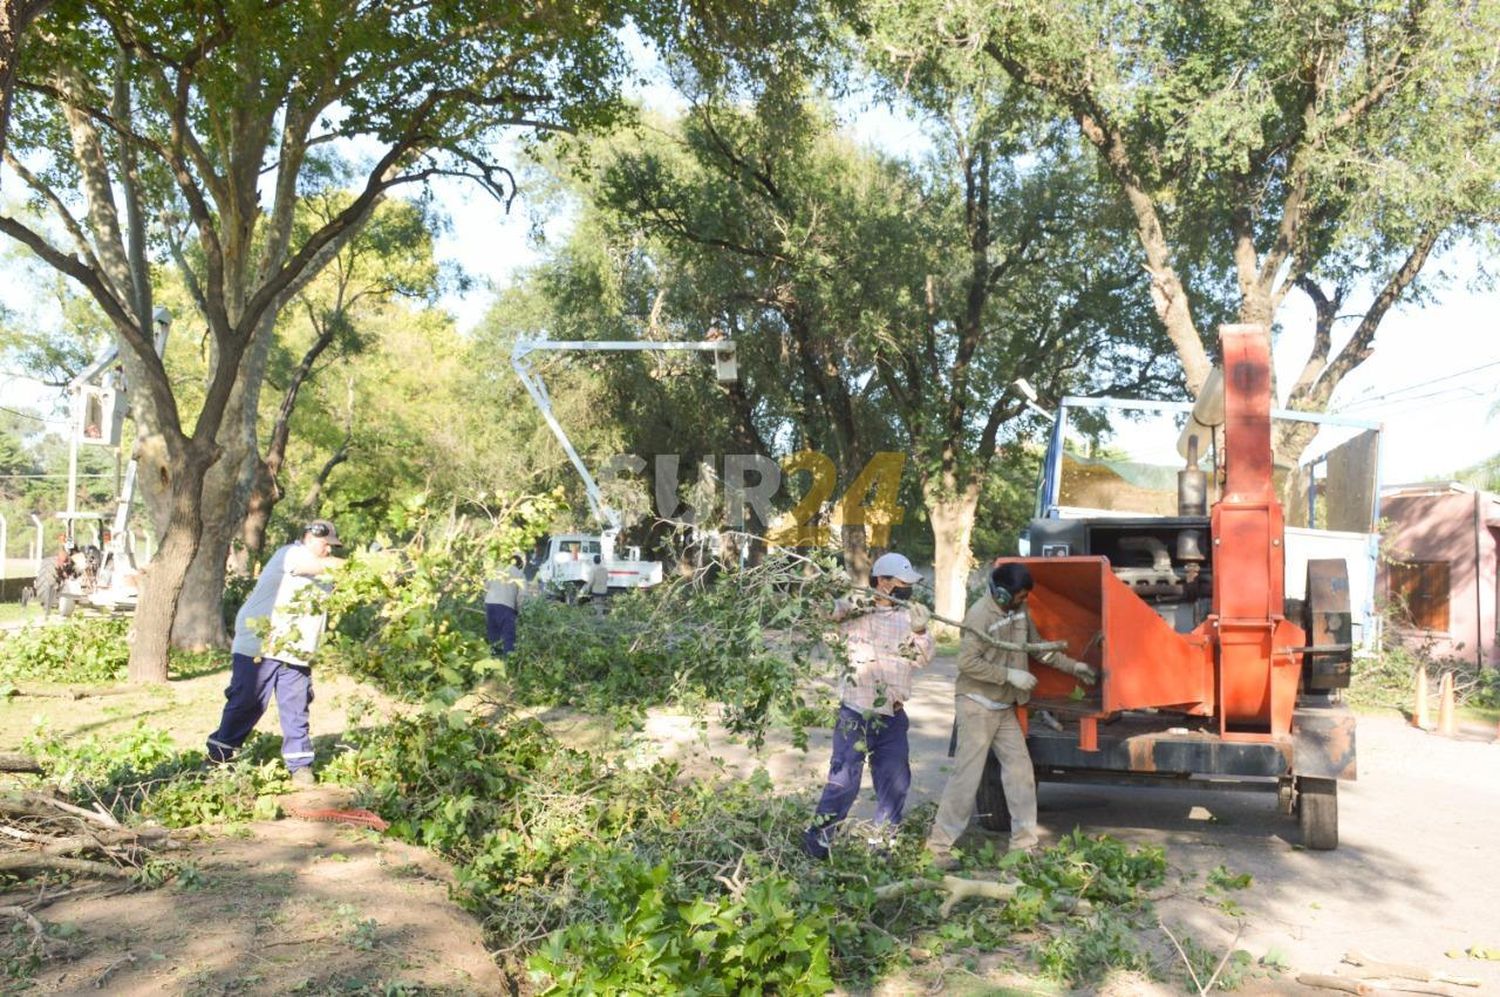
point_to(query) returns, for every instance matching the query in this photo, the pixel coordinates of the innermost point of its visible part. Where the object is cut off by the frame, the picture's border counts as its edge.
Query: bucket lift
(629, 571)
(98, 401)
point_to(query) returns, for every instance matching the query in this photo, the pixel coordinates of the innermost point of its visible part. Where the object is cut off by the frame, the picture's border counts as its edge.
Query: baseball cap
(897, 566)
(323, 528)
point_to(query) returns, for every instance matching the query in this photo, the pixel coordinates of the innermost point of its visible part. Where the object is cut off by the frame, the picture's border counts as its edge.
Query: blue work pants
(883, 739)
(500, 627)
(251, 683)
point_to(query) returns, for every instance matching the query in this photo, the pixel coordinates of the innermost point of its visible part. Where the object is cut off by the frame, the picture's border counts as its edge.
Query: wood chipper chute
(1209, 676)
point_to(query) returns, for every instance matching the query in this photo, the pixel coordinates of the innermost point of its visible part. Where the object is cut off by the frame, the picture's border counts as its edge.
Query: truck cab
(566, 558)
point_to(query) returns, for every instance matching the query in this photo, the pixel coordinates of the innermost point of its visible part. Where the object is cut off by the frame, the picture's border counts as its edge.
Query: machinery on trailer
(1210, 675)
(566, 559)
(105, 570)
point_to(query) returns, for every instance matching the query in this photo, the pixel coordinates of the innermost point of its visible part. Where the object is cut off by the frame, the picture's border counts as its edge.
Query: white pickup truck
(564, 568)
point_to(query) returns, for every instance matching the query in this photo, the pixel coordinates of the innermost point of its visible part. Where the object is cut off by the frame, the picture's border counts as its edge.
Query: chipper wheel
(1318, 813)
(994, 815)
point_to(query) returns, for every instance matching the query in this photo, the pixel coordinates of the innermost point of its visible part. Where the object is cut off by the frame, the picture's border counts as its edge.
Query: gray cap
(897, 566)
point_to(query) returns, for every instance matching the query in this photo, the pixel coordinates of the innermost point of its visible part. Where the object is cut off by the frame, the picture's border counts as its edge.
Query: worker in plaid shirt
(886, 642)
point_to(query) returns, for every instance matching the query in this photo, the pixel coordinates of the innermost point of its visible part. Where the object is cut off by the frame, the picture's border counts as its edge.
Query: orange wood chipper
(1245, 697)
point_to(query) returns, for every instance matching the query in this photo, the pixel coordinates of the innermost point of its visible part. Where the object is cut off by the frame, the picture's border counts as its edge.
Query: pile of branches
(50, 848)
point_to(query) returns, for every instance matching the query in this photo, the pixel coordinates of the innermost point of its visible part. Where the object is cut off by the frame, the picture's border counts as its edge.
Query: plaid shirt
(880, 666)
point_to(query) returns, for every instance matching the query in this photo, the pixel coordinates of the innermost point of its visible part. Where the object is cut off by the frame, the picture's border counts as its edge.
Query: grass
(12, 612)
(1479, 715)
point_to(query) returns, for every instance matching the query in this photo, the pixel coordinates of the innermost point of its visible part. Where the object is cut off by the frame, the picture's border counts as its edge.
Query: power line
(32, 415)
(1446, 396)
(1391, 395)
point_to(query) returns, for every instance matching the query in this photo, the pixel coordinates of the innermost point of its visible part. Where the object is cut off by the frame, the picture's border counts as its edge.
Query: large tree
(160, 129)
(390, 259)
(1028, 278)
(882, 303)
(1330, 146)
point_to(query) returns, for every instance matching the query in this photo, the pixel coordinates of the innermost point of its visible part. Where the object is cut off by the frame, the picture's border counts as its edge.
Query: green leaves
(81, 649)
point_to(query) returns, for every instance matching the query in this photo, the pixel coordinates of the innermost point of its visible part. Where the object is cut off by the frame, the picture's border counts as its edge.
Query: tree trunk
(264, 494)
(856, 551)
(163, 579)
(10, 38)
(200, 617)
(952, 520)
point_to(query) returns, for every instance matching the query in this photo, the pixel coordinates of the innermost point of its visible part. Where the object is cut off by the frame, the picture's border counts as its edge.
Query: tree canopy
(1260, 148)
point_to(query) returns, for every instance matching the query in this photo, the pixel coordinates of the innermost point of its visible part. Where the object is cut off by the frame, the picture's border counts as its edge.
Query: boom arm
(723, 350)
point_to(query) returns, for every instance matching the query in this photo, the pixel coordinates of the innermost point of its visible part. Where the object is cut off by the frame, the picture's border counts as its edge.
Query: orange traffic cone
(1420, 717)
(1446, 726)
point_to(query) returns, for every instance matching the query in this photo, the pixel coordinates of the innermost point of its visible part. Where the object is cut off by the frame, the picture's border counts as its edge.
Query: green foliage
(86, 650)
(1221, 882)
(604, 878)
(409, 619)
(742, 637)
(644, 882)
(1105, 941)
(1233, 968)
(1220, 879)
(142, 774)
(80, 649)
(1388, 679)
(658, 936)
(1101, 870)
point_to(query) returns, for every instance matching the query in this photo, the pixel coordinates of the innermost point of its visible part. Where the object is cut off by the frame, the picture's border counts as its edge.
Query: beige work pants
(980, 728)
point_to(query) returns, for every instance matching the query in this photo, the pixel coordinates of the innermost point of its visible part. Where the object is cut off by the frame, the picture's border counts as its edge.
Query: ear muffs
(1000, 593)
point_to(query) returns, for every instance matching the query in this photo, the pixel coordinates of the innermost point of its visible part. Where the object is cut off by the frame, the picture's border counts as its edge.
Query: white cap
(897, 566)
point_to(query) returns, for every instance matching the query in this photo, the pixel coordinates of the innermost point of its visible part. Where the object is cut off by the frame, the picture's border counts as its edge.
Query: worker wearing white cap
(886, 642)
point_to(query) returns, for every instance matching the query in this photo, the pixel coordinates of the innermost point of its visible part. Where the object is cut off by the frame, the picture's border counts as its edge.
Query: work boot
(944, 861)
(1023, 839)
(815, 844)
(303, 778)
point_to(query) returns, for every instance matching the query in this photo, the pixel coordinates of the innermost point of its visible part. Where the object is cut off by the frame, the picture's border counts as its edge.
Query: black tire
(994, 814)
(1318, 813)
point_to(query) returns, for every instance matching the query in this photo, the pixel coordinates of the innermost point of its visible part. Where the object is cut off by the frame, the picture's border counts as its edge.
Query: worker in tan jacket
(991, 682)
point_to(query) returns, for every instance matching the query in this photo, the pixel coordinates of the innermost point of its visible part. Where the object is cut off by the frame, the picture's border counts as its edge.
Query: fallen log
(957, 888)
(40, 805)
(32, 860)
(1323, 981)
(1396, 970)
(11, 761)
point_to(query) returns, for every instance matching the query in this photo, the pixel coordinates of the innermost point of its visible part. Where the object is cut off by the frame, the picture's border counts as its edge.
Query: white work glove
(1020, 678)
(1084, 673)
(919, 616)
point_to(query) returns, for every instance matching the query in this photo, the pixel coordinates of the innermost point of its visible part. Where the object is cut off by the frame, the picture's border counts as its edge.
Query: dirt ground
(292, 906)
(289, 907)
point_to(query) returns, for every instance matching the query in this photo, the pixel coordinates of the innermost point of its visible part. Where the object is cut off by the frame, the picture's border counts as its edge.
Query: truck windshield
(1122, 458)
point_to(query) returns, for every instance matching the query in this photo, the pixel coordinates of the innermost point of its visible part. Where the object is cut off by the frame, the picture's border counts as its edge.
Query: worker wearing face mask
(992, 682)
(886, 641)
